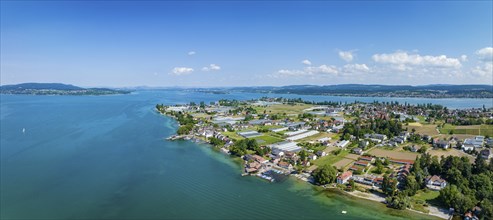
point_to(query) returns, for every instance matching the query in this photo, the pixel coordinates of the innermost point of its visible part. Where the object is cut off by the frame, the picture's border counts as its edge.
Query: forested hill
(55, 89)
(425, 91)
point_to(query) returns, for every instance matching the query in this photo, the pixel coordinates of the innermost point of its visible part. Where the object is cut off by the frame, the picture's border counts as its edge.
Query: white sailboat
(23, 130)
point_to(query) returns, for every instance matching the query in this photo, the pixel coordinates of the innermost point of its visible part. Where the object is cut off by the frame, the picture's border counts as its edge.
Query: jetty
(179, 137)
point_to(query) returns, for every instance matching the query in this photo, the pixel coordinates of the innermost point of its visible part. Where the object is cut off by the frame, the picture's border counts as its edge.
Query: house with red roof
(344, 177)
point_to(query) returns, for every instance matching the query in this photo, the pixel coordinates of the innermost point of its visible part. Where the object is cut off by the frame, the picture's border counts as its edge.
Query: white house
(435, 182)
(343, 144)
(344, 177)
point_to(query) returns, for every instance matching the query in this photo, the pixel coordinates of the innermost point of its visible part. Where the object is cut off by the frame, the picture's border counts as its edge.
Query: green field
(421, 119)
(485, 130)
(232, 134)
(283, 108)
(426, 196)
(330, 159)
(267, 139)
(421, 198)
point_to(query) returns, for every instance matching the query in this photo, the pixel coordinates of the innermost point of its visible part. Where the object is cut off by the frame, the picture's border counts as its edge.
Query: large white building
(286, 146)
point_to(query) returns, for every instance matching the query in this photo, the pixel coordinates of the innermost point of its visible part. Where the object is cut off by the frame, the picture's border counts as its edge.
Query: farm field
(353, 156)
(330, 149)
(459, 136)
(343, 163)
(450, 152)
(267, 139)
(393, 154)
(201, 115)
(485, 130)
(283, 108)
(424, 129)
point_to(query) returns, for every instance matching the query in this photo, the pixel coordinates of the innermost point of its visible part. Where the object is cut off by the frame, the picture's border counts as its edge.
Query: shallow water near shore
(92, 157)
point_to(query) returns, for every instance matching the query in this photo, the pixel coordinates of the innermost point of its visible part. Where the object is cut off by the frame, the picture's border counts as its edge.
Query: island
(56, 89)
(426, 158)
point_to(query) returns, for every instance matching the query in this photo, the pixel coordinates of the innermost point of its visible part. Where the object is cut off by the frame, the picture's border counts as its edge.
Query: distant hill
(424, 91)
(56, 89)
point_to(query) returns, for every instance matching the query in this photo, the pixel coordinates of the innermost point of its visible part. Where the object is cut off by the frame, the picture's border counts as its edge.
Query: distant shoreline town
(359, 90)
(352, 90)
(419, 157)
(56, 89)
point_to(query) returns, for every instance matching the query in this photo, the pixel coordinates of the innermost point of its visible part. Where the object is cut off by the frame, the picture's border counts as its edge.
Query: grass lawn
(421, 119)
(330, 159)
(267, 139)
(277, 135)
(268, 126)
(419, 206)
(425, 196)
(373, 170)
(422, 197)
(232, 134)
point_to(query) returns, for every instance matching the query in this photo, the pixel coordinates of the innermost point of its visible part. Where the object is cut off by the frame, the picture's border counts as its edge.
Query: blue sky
(219, 43)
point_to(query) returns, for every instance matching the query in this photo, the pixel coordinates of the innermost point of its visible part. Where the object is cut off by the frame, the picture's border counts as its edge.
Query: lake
(93, 157)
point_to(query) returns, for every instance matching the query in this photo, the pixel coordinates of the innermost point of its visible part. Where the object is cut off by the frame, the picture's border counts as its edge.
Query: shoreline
(434, 211)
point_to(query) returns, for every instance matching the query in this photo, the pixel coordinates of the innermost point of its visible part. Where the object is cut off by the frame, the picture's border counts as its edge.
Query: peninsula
(56, 89)
(425, 158)
(421, 91)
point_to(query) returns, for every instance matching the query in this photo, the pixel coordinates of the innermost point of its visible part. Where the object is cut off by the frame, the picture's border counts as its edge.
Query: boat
(343, 212)
(23, 130)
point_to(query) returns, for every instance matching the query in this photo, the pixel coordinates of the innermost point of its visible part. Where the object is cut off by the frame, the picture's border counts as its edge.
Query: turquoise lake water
(93, 157)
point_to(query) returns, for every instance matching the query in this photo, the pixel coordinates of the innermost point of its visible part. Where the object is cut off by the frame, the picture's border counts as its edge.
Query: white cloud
(463, 58)
(397, 67)
(403, 60)
(485, 54)
(306, 62)
(346, 55)
(323, 69)
(178, 71)
(356, 68)
(483, 70)
(284, 72)
(191, 53)
(211, 67)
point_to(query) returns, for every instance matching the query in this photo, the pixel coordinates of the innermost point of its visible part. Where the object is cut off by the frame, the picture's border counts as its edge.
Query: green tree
(411, 186)
(487, 209)
(389, 185)
(483, 186)
(351, 184)
(480, 165)
(398, 201)
(452, 197)
(325, 175)
(303, 155)
(379, 167)
(216, 141)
